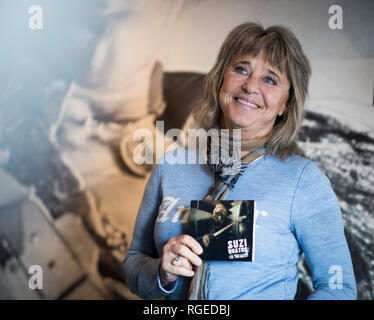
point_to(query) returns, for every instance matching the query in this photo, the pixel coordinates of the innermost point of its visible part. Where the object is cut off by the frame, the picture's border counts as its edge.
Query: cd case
(224, 228)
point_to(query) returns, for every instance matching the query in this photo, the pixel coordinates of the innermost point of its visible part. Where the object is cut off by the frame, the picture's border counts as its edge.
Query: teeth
(248, 103)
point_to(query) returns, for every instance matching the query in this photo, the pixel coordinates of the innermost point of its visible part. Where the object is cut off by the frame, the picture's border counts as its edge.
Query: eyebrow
(243, 62)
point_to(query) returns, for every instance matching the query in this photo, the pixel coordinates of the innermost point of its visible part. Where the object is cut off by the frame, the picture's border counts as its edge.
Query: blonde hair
(283, 51)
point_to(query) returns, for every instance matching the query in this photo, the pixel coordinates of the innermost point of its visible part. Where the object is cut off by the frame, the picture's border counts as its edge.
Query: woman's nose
(250, 85)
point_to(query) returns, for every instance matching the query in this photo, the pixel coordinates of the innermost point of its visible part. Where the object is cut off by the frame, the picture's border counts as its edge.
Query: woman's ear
(280, 113)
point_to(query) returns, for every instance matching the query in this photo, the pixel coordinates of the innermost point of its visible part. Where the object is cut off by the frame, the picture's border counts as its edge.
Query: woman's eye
(240, 70)
(270, 81)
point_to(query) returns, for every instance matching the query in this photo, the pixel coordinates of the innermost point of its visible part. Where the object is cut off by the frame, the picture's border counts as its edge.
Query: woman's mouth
(247, 103)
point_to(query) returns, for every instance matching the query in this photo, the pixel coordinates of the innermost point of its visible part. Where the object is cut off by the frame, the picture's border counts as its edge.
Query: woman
(258, 84)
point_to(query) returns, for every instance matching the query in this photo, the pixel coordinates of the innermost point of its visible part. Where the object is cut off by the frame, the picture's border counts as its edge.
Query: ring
(177, 261)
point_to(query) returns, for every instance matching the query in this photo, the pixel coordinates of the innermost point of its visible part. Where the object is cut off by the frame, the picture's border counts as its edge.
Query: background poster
(78, 77)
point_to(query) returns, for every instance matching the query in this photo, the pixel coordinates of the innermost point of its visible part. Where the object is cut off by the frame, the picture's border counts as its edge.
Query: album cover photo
(224, 228)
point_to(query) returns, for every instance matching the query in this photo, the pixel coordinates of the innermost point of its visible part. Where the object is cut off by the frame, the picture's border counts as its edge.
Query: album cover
(224, 228)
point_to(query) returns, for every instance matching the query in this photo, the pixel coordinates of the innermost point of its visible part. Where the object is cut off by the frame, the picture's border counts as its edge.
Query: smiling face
(252, 95)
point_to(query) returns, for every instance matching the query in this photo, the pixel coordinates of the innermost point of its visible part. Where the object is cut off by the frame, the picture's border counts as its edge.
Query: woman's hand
(188, 249)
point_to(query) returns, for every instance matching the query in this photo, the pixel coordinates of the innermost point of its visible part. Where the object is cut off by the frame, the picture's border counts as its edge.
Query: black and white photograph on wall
(80, 79)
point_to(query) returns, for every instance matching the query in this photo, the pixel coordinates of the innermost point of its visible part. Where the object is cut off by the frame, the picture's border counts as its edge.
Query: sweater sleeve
(141, 264)
(318, 225)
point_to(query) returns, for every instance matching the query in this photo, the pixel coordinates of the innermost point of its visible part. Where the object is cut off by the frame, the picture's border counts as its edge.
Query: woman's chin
(236, 120)
(239, 124)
